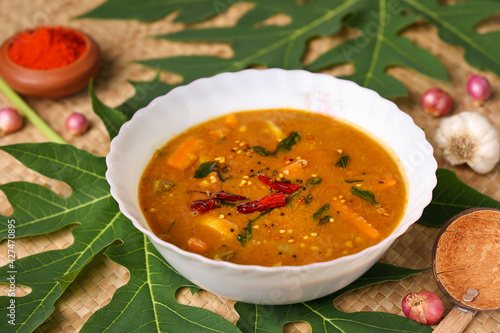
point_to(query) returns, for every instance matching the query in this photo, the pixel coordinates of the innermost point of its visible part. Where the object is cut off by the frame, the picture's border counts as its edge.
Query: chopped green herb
(342, 162)
(287, 143)
(170, 227)
(225, 256)
(291, 197)
(324, 219)
(353, 180)
(159, 153)
(284, 145)
(321, 211)
(245, 235)
(314, 181)
(263, 152)
(205, 169)
(219, 174)
(162, 186)
(308, 199)
(228, 204)
(366, 195)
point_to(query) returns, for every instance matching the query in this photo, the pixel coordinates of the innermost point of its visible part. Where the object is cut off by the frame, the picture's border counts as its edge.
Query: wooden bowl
(51, 83)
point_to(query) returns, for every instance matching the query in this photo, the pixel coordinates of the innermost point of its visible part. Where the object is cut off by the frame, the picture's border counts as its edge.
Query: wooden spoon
(466, 265)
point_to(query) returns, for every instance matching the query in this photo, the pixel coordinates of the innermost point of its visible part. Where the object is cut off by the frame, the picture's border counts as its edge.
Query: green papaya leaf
(456, 25)
(190, 11)
(378, 48)
(113, 119)
(253, 44)
(450, 197)
(147, 302)
(145, 92)
(323, 316)
(37, 210)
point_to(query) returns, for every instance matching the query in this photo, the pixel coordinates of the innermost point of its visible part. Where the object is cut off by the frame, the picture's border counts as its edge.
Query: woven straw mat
(128, 41)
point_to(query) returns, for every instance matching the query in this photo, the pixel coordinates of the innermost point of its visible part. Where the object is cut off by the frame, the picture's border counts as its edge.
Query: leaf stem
(29, 113)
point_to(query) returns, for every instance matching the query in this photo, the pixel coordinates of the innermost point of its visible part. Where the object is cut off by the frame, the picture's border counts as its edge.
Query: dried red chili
(279, 186)
(269, 201)
(203, 206)
(227, 197)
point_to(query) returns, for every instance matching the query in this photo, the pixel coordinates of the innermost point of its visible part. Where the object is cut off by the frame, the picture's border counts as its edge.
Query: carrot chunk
(386, 181)
(231, 120)
(186, 154)
(357, 220)
(219, 134)
(196, 245)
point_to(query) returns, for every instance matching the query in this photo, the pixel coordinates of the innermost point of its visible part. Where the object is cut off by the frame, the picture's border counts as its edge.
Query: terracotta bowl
(51, 83)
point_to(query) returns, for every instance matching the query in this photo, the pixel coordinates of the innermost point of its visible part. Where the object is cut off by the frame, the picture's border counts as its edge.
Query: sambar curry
(273, 188)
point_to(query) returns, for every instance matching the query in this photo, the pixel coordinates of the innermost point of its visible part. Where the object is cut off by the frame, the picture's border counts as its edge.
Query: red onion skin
(76, 124)
(424, 307)
(437, 102)
(478, 88)
(10, 120)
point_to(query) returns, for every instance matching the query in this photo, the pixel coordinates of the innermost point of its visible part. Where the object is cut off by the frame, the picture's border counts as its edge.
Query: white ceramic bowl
(207, 98)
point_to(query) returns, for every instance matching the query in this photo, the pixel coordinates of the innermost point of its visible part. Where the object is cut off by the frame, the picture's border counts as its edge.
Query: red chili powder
(47, 48)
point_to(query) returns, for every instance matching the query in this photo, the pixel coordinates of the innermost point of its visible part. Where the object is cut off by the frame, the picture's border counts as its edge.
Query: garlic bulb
(468, 137)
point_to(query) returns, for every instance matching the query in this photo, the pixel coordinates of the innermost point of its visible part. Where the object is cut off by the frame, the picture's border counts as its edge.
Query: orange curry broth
(287, 235)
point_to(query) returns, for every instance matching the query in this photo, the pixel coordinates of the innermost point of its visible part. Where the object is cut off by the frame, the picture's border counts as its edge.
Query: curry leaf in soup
(246, 234)
(314, 181)
(290, 201)
(324, 219)
(205, 169)
(342, 162)
(171, 226)
(366, 195)
(262, 151)
(321, 211)
(353, 180)
(222, 179)
(287, 143)
(308, 199)
(162, 186)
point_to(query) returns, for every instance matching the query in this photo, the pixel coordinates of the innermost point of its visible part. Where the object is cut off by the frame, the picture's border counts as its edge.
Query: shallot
(10, 120)
(424, 307)
(436, 102)
(76, 124)
(478, 88)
